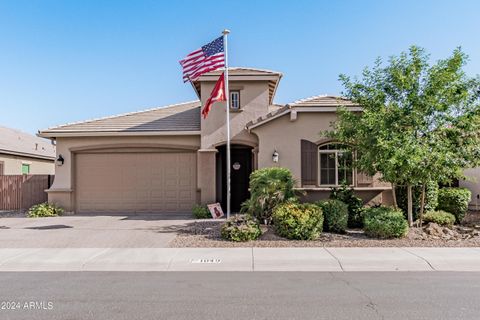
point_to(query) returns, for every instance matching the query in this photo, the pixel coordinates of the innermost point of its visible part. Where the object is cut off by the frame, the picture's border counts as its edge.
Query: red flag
(218, 94)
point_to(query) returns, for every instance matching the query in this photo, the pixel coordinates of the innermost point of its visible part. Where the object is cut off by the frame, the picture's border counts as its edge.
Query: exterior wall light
(60, 160)
(275, 156)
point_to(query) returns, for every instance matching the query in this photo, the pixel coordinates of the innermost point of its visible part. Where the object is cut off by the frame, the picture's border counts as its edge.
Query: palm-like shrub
(269, 187)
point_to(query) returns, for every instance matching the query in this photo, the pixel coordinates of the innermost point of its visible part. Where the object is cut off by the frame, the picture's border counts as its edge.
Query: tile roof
(321, 101)
(325, 101)
(245, 71)
(275, 107)
(16, 142)
(177, 117)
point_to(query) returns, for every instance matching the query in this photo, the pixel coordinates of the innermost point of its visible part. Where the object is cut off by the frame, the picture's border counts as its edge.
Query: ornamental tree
(419, 123)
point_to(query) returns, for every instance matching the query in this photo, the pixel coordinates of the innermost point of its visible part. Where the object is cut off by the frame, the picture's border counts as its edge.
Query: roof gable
(244, 74)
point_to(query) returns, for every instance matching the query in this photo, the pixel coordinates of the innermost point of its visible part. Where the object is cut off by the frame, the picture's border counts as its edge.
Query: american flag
(208, 58)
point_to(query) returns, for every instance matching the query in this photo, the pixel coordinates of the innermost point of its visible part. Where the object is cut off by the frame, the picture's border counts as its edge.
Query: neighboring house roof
(322, 103)
(243, 73)
(16, 142)
(182, 118)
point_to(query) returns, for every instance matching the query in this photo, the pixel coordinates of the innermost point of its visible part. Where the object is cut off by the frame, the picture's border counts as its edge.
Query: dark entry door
(241, 167)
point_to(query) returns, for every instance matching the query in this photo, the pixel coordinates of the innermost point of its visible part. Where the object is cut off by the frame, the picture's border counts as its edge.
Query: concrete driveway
(92, 231)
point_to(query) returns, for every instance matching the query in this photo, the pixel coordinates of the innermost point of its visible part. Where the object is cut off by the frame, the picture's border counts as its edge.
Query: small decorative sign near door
(236, 166)
(215, 210)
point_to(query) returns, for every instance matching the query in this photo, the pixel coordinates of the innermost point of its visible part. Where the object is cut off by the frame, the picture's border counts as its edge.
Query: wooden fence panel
(22, 191)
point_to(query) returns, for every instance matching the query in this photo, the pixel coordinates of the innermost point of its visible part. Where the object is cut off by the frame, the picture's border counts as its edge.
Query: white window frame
(232, 93)
(336, 152)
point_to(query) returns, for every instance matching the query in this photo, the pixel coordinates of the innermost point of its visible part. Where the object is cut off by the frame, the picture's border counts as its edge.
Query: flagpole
(227, 93)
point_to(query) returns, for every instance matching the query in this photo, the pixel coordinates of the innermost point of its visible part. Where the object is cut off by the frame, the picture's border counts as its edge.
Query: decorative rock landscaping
(207, 234)
(433, 231)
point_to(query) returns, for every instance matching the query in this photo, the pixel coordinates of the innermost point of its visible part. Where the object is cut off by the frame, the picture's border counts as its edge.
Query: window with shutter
(309, 162)
(1, 168)
(336, 165)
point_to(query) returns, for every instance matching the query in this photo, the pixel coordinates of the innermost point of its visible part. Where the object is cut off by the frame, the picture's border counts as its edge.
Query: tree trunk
(394, 196)
(422, 206)
(409, 205)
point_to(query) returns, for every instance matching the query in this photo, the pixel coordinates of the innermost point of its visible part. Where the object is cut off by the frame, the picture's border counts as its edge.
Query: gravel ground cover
(206, 234)
(13, 213)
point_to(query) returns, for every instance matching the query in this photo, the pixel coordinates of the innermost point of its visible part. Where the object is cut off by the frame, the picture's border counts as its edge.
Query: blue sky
(64, 61)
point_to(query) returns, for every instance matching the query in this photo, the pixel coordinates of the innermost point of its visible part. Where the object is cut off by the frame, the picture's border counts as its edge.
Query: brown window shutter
(309, 161)
(1, 168)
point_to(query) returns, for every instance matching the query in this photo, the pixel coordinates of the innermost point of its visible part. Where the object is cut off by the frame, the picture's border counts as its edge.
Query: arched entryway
(241, 167)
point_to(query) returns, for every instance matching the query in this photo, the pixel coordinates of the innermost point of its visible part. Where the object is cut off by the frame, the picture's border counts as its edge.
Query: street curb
(334, 259)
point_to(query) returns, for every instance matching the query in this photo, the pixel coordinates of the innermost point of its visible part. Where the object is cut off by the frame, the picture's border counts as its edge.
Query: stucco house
(473, 184)
(167, 159)
(23, 153)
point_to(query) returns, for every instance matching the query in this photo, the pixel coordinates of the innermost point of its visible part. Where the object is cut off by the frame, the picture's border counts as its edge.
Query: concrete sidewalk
(240, 259)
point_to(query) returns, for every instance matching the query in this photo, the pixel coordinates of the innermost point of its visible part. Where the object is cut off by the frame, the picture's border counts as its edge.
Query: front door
(240, 169)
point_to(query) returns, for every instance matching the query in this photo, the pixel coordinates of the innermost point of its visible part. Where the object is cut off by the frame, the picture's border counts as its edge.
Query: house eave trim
(58, 134)
(26, 155)
(299, 109)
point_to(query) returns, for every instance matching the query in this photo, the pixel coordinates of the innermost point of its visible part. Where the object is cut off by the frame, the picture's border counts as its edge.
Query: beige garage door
(135, 182)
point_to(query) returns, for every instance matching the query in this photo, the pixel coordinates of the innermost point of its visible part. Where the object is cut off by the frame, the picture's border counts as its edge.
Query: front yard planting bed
(207, 234)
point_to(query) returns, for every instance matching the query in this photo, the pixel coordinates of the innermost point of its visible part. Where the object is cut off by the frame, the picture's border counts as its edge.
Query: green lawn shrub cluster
(384, 222)
(241, 228)
(298, 221)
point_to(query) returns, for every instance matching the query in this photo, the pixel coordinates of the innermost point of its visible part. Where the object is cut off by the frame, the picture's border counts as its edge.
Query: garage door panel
(171, 206)
(129, 182)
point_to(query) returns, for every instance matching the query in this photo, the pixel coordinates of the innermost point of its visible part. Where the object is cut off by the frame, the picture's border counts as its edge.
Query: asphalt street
(239, 295)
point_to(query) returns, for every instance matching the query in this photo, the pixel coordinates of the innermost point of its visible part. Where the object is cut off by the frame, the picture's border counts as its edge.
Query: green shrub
(240, 228)
(431, 198)
(201, 212)
(440, 217)
(455, 201)
(335, 214)
(269, 187)
(383, 222)
(45, 210)
(354, 203)
(298, 221)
